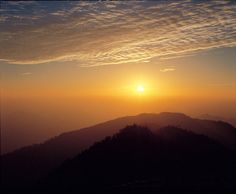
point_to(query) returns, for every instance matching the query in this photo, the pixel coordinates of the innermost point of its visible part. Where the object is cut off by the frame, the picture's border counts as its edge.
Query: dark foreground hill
(25, 166)
(137, 159)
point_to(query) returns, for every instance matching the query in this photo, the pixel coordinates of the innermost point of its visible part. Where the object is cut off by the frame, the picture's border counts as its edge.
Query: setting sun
(140, 89)
(144, 90)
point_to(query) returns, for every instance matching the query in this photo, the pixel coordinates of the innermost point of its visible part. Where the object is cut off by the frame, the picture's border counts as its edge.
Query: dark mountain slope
(30, 163)
(136, 158)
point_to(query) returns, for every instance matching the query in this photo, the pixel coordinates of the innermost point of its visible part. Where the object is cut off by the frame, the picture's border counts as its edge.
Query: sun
(140, 89)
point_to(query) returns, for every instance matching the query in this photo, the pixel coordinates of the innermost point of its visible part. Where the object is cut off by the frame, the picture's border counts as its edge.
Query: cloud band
(105, 33)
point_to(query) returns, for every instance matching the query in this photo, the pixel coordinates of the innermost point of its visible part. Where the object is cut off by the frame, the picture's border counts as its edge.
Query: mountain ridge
(19, 165)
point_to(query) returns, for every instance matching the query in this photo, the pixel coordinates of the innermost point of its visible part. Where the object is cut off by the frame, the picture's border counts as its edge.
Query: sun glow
(140, 89)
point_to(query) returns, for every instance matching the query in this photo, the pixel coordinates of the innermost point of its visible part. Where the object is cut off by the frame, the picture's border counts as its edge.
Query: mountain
(231, 120)
(28, 164)
(137, 159)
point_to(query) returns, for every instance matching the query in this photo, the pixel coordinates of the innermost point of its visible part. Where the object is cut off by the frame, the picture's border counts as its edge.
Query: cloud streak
(26, 73)
(106, 33)
(167, 70)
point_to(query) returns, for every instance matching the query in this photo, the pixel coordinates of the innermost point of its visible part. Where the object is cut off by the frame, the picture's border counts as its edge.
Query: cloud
(115, 32)
(26, 73)
(222, 84)
(167, 70)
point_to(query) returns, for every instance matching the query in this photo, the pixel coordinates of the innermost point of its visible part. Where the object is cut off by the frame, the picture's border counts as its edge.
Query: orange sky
(62, 69)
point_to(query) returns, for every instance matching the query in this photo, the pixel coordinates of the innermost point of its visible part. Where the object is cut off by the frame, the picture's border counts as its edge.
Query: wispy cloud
(167, 70)
(26, 73)
(104, 33)
(222, 84)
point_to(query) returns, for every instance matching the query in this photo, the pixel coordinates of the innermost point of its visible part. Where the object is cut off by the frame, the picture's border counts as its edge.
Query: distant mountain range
(27, 165)
(231, 120)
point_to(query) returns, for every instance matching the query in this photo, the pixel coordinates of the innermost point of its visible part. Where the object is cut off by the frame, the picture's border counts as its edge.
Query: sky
(66, 65)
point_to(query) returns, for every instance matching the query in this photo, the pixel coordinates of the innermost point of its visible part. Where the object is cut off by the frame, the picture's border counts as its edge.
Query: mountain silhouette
(137, 159)
(231, 120)
(27, 165)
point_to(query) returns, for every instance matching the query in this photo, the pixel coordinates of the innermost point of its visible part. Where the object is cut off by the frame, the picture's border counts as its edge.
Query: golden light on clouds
(97, 60)
(113, 32)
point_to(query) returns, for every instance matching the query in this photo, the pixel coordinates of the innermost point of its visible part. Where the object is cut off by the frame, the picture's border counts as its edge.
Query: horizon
(68, 65)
